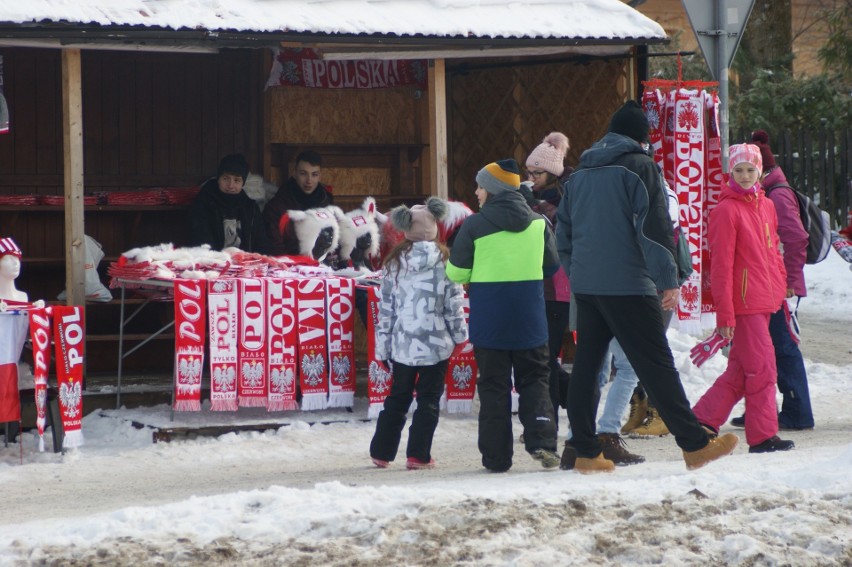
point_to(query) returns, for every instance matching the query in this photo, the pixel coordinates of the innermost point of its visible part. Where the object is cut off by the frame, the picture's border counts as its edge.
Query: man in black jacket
(614, 238)
(223, 215)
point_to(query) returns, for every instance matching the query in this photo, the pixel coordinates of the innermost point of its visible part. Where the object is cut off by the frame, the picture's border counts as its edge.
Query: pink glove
(704, 351)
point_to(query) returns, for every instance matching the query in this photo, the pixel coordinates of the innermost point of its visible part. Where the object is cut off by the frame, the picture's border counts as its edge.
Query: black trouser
(637, 323)
(535, 410)
(428, 382)
(557, 323)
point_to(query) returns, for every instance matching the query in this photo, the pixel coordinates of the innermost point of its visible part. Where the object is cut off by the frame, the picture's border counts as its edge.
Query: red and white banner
(13, 334)
(40, 333)
(69, 339)
(461, 375)
(712, 192)
(190, 324)
(340, 326)
(252, 384)
(222, 308)
(283, 341)
(305, 68)
(313, 372)
(379, 376)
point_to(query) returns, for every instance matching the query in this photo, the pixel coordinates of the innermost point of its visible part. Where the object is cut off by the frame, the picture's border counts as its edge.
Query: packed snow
(306, 492)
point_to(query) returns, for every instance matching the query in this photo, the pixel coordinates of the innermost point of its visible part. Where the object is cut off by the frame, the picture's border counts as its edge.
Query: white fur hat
(310, 223)
(356, 224)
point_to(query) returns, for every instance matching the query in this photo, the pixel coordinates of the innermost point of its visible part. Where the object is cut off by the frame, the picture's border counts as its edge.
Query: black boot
(771, 445)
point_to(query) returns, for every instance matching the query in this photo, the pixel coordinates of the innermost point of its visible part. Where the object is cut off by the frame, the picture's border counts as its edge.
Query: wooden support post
(72, 127)
(438, 128)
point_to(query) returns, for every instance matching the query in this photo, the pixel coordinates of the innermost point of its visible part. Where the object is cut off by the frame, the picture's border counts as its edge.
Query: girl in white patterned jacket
(421, 320)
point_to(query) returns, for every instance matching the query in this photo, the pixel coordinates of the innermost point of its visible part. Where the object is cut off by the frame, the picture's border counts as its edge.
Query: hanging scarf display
(313, 373)
(222, 303)
(379, 376)
(711, 198)
(69, 338)
(190, 323)
(40, 328)
(252, 350)
(461, 374)
(283, 341)
(13, 334)
(340, 326)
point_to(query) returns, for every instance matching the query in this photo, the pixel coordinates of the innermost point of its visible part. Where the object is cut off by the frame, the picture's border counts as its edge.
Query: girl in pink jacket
(749, 283)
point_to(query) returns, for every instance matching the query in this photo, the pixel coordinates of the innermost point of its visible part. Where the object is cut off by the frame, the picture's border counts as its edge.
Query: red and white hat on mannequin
(8, 246)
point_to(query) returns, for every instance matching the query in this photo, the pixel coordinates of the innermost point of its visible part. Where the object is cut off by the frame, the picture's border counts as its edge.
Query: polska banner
(283, 341)
(340, 299)
(379, 376)
(305, 68)
(252, 350)
(190, 322)
(40, 329)
(313, 351)
(222, 302)
(69, 337)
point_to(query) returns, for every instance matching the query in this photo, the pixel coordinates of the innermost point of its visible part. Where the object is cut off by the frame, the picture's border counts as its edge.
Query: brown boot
(615, 450)
(592, 466)
(717, 448)
(638, 413)
(654, 426)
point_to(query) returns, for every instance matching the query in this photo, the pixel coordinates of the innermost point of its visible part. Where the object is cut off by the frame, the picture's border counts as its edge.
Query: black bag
(816, 222)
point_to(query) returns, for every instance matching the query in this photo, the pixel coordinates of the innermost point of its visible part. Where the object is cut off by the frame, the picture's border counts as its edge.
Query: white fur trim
(357, 223)
(308, 225)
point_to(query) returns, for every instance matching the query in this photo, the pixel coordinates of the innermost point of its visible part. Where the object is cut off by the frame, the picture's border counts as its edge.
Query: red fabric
(10, 401)
(379, 376)
(340, 326)
(461, 375)
(40, 329)
(748, 271)
(283, 342)
(222, 303)
(711, 199)
(252, 385)
(69, 338)
(313, 372)
(190, 323)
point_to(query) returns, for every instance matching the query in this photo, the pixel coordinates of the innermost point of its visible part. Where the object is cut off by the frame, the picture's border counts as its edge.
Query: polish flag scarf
(252, 385)
(40, 332)
(69, 338)
(379, 376)
(340, 326)
(283, 340)
(13, 334)
(190, 322)
(313, 373)
(461, 375)
(222, 304)
(712, 192)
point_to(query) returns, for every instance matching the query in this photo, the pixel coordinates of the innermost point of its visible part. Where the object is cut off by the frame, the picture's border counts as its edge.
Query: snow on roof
(582, 19)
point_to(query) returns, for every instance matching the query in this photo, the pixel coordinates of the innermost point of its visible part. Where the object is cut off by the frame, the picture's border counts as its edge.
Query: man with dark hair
(223, 215)
(614, 237)
(301, 192)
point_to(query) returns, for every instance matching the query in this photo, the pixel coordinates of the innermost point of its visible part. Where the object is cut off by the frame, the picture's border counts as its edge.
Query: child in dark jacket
(421, 319)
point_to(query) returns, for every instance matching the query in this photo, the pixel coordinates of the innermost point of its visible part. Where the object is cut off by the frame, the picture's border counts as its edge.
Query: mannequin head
(10, 269)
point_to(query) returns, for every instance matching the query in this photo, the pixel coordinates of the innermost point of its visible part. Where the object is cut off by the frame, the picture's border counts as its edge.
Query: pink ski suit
(749, 284)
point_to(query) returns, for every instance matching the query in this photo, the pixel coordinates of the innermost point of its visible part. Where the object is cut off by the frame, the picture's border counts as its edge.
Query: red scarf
(461, 375)
(712, 191)
(313, 372)
(252, 385)
(40, 328)
(340, 325)
(283, 338)
(379, 376)
(69, 337)
(222, 302)
(190, 322)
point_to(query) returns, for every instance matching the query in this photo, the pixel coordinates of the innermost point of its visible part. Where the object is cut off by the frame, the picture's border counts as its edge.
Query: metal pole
(722, 75)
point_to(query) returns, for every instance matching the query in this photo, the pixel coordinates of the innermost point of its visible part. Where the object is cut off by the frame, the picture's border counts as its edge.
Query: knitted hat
(630, 121)
(549, 155)
(744, 153)
(761, 140)
(420, 222)
(499, 176)
(8, 247)
(235, 164)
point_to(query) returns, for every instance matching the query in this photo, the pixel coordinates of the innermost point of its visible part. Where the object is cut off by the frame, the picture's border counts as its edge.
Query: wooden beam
(438, 128)
(72, 137)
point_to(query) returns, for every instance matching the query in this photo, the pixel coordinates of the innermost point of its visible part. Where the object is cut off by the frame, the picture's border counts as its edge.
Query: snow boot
(771, 445)
(654, 426)
(414, 464)
(548, 459)
(382, 464)
(638, 411)
(717, 448)
(614, 448)
(599, 464)
(569, 456)
(738, 421)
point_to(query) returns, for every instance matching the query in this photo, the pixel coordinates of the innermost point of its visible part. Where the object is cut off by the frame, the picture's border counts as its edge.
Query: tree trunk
(767, 41)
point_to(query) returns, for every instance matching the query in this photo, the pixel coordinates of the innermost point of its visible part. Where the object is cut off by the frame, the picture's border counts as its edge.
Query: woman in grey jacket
(421, 320)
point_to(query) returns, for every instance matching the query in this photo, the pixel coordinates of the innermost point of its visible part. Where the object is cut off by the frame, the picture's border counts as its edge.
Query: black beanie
(235, 164)
(630, 121)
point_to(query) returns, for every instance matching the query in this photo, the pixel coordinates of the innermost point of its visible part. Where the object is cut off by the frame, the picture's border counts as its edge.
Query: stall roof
(479, 24)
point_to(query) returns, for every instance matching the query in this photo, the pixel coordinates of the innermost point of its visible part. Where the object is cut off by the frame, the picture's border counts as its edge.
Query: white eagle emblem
(71, 395)
(340, 366)
(313, 367)
(220, 286)
(189, 373)
(252, 372)
(224, 378)
(281, 379)
(462, 375)
(379, 377)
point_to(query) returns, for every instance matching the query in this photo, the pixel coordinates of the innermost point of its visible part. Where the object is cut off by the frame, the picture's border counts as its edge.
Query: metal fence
(818, 162)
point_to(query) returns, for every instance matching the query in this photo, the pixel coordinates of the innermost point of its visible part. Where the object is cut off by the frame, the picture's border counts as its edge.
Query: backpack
(816, 222)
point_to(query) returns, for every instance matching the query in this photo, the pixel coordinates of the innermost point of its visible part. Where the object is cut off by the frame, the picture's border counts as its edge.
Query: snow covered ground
(306, 494)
